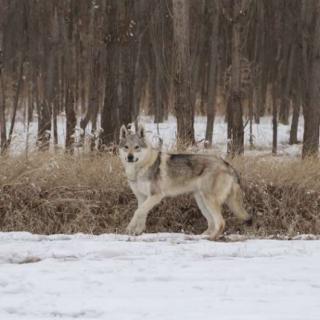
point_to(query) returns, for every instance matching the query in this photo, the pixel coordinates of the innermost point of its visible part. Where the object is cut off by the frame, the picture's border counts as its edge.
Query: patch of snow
(262, 135)
(157, 276)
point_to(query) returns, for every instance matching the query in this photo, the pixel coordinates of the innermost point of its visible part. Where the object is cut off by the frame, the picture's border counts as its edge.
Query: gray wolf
(154, 175)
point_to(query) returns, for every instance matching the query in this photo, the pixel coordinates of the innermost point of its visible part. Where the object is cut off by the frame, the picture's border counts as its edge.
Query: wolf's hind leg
(235, 203)
(205, 212)
(214, 207)
(138, 221)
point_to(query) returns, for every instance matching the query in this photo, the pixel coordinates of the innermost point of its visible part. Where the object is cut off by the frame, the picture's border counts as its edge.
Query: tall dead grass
(89, 193)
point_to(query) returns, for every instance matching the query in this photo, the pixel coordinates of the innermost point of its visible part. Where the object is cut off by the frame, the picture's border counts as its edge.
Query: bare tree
(212, 72)
(235, 121)
(312, 113)
(294, 122)
(3, 129)
(182, 73)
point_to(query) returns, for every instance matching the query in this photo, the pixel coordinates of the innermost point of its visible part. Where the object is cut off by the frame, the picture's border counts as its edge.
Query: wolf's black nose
(130, 158)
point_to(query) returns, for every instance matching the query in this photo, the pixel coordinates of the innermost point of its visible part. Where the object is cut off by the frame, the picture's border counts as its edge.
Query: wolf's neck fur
(141, 168)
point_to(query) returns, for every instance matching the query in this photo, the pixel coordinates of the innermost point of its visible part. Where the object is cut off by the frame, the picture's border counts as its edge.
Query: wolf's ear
(141, 132)
(123, 132)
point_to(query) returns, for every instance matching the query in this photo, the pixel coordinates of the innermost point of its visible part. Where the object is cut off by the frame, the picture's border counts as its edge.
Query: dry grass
(64, 194)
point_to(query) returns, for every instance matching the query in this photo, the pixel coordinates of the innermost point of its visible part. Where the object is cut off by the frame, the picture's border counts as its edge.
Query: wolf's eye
(126, 147)
(136, 148)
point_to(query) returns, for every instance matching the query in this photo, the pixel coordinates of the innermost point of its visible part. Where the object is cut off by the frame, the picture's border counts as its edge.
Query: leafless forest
(244, 59)
(101, 64)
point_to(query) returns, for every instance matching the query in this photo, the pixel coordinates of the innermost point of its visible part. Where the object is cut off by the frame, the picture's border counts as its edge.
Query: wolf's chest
(141, 186)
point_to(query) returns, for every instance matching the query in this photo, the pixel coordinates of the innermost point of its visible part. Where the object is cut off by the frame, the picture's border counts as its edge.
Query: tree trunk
(294, 122)
(110, 116)
(70, 90)
(312, 113)
(182, 73)
(93, 103)
(158, 117)
(55, 123)
(137, 86)
(120, 69)
(44, 126)
(157, 72)
(198, 55)
(71, 120)
(3, 127)
(274, 120)
(237, 132)
(44, 123)
(212, 77)
(285, 103)
(251, 94)
(15, 105)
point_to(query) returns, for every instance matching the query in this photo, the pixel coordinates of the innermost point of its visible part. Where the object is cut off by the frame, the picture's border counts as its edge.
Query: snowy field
(157, 276)
(262, 135)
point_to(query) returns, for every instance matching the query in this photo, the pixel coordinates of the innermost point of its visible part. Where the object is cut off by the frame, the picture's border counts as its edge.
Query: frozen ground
(262, 135)
(159, 276)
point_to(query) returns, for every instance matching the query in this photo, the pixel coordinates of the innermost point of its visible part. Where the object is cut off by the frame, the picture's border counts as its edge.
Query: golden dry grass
(89, 193)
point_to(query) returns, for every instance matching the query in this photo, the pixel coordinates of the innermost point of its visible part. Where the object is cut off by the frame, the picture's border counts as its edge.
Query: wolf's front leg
(138, 221)
(141, 198)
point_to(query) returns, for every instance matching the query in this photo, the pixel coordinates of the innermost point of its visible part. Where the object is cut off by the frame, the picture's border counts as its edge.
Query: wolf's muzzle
(130, 158)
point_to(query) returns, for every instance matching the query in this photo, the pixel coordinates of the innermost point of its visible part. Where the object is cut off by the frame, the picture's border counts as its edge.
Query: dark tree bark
(157, 67)
(212, 76)
(55, 123)
(120, 69)
(44, 125)
(274, 120)
(198, 39)
(46, 106)
(294, 122)
(110, 112)
(137, 87)
(3, 127)
(70, 89)
(312, 113)
(235, 117)
(182, 73)
(285, 101)
(15, 104)
(71, 120)
(251, 119)
(276, 58)
(259, 57)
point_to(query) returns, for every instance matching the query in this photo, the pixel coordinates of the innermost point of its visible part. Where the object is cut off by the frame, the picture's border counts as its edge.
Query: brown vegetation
(89, 193)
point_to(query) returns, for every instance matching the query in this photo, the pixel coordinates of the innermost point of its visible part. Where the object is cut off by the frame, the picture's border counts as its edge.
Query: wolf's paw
(216, 234)
(206, 232)
(135, 228)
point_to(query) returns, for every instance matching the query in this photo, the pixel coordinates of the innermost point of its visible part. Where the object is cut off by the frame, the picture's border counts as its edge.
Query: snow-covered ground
(157, 276)
(262, 135)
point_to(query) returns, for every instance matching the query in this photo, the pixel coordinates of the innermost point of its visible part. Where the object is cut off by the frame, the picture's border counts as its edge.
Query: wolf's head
(133, 146)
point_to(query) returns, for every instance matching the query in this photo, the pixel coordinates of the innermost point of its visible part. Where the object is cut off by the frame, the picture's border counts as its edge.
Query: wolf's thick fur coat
(153, 175)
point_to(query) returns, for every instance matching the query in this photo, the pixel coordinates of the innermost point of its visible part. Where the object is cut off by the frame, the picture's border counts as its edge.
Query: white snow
(157, 276)
(262, 135)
